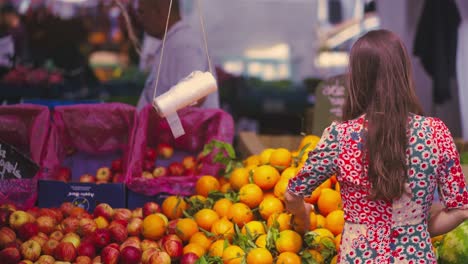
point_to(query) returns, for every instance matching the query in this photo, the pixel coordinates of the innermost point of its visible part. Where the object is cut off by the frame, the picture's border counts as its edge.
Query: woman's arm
(444, 220)
(301, 210)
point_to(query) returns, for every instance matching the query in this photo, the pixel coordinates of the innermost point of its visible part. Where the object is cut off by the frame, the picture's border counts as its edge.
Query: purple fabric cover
(89, 136)
(26, 127)
(201, 126)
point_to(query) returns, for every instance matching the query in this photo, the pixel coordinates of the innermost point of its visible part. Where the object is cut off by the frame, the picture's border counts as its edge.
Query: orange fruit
(222, 181)
(280, 158)
(288, 258)
(259, 256)
(217, 248)
(221, 207)
(261, 241)
(226, 187)
(254, 227)
(239, 177)
(269, 194)
(335, 222)
(280, 189)
(289, 241)
(206, 184)
(288, 173)
(197, 197)
(322, 233)
(223, 228)
(185, 228)
(201, 239)
(153, 227)
(313, 221)
(321, 221)
(233, 255)
(313, 198)
(333, 179)
(328, 201)
(270, 206)
(338, 241)
(337, 187)
(312, 140)
(266, 176)
(251, 195)
(194, 248)
(316, 256)
(205, 218)
(265, 155)
(173, 207)
(282, 219)
(326, 184)
(240, 213)
(252, 160)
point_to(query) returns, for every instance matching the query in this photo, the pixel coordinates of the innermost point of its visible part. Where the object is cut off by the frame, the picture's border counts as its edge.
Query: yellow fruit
(338, 242)
(328, 201)
(289, 241)
(226, 187)
(261, 241)
(334, 260)
(313, 221)
(312, 140)
(223, 229)
(321, 221)
(153, 227)
(197, 197)
(194, 248)
(185, 228)
(173, 207)
(205, 218)
(221, 207)
(206, 184)
(266, 177)
(259, 256)
(251, 195)
(288, 173)
(322, 233)
(239, 177)
(254, 227)
(233, 255)
(270, 206)
(217, 248)
(265, 155)
(288, 258)
(280, 158)
(252, 160)
(201, 239)
(240, 213)
(316, 256)
(282, 219)
(280, 189)
(335, 222)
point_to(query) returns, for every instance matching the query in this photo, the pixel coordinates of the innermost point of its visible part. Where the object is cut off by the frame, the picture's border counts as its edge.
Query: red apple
(189, 258)
(151, 208)
(133, 241)
(87, 226)
(19, 218)
(147, 175)
(172, 226)
(147, 244)
(30, 250)
(83, 260)
(110, 255)
(160, 257)
(97, 260)
(46, 224)
(189, 162)
(134, 226)
(104, 210)
(70, 224)
(117, 177)
(165, 150)
(52, 212)
(123, 214)
(7, 236)
(10, 255)
(150, 154)
(34, 211)
(49, 247)
(101, 222)
(101, 238)
(57, 235)
(137, 212)
(148, 165)
(65, 251)
(116, 165)
(172, 246)
(118, 232)
(73, 238)
(45, 259)
(87, 178)
(63, 174)
(28, 230)
(40, 238)
(160, 171)
(103, 174)
(147, 253)
(176, 169)
(4, 217)
(66, 208)
(86, 249)
(25, 261)
(130, 255)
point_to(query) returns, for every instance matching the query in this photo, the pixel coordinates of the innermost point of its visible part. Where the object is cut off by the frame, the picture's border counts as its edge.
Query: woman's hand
(300, 211)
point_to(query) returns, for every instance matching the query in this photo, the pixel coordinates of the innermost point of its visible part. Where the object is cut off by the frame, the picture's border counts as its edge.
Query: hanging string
(202, 23)
(162, 49)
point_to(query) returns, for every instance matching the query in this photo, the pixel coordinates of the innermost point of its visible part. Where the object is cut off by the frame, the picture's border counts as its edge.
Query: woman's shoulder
(427, 121)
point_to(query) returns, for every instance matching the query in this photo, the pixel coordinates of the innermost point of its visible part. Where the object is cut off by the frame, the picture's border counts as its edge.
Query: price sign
(14, 164)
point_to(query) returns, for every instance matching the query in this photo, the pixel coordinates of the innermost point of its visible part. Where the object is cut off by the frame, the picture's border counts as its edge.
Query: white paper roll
(189, 90)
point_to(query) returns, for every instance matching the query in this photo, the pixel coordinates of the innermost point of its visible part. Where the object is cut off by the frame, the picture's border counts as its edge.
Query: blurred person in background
(183, 52)
(12, 25)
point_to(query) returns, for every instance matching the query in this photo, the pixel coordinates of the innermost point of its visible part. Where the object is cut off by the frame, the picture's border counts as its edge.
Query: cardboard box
(251, 143)
(87, 195)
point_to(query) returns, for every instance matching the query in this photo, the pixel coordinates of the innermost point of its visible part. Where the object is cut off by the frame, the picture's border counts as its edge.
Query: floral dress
(379, 231)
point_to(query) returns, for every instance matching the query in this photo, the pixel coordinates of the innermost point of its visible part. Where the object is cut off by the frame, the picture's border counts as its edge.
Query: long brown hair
(380, 85)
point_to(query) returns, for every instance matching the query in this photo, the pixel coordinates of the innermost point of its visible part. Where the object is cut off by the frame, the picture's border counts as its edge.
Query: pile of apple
(70, 234)
(188, 166)
(103, 174)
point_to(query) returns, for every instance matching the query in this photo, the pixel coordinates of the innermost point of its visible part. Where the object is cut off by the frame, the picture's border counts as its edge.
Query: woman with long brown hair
(388, 158)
